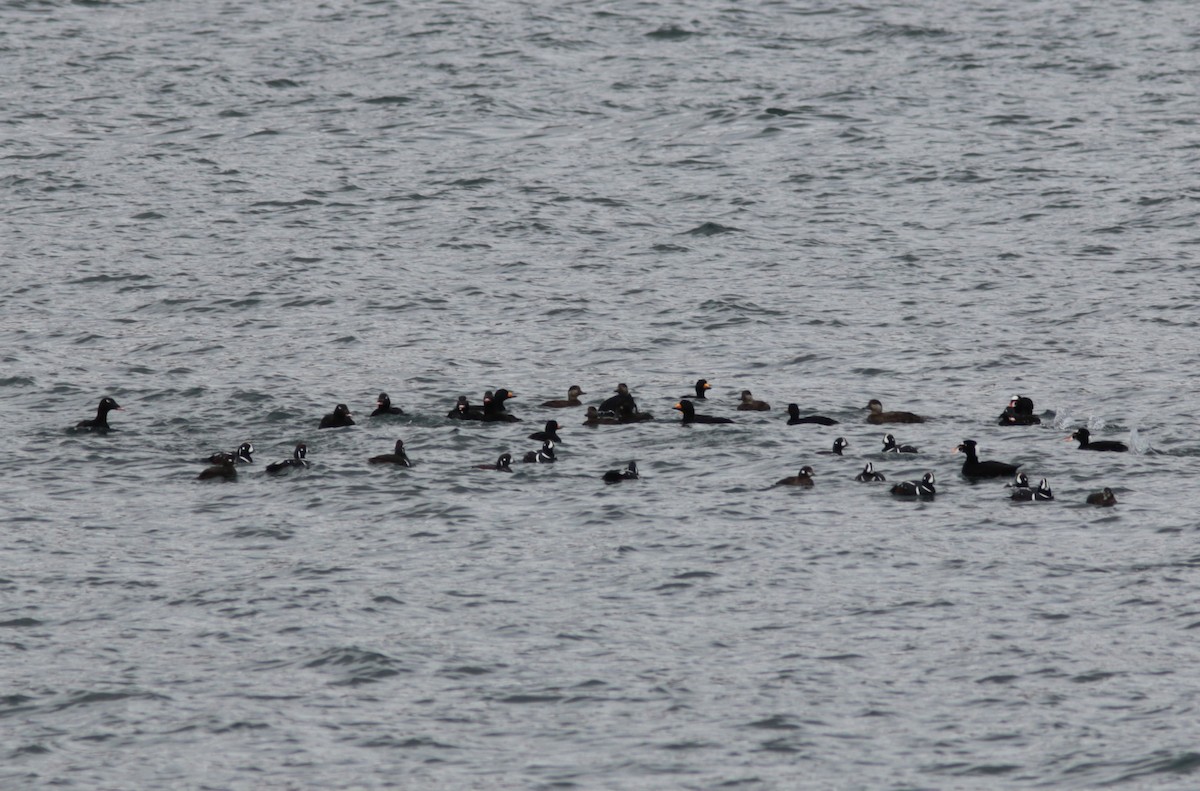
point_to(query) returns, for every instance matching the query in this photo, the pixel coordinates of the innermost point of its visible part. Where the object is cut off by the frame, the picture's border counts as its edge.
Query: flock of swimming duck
(621, 408)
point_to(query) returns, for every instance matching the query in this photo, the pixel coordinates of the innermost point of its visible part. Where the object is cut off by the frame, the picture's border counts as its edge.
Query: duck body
(338, 418)
(383, 406)
(243, 455)
(839, 445)
(223, 468)
(689, 414)
(890, 446)
(1084, 438)
(595, 418)
(923, 488)
(974, 468)
(750, 404)
(622, 404)
(463, 410)
(397, 457)
(550, 433)
(1041, 494)
(802, 478)
(1019, 412)
(1104, 498)
(879, 416)
(543, 456)
(100, 421)
(795, 419)
(630, 473)
(572, 399)
(297, 462)
(493, 409)
(869, 475)
(503, 464)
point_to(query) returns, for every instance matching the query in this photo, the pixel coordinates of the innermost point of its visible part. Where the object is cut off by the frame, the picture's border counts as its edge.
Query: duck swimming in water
(397, 457)
(543, 456)
(297, 462)
(974, 468)
(803, 478)
(630, 473)
(923, 488)
(623, 406)
(100, 421)
(839, 445)
(879, 416)
(702, 387)
(383, 406)
(890, 446)
(338, 418)
(1019, 412)
(795, 419)
(690, 416)
(502, 464)
(750, 404)
(1105, 498)
(550, 433)
(869, 475)
(1040, 494)
(572, 399)
(1085, 443)
(223, 468)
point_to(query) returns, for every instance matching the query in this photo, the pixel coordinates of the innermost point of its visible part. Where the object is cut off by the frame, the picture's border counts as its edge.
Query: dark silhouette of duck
(974, 468)
(397, 457)
(100, 421)
(1104, 498)
(750, 404)
(502, 464)
(1085, 442)
(839, 445)
(630, 473)
(802, 478)
(623, 406)
(543, 456)
(794, 417)
(549, 433)
(890, 446)
(383, 406)
(243, 455)
(702, 388)
(1024, 493)
(297, 462)
(1019, 412)
(224, 468)
(869, 475)
(338, 418)
(689, 414)
(572, 399)
(879, 416)
(494, 410)
(463, 410)
(923, 488)
(595, 418)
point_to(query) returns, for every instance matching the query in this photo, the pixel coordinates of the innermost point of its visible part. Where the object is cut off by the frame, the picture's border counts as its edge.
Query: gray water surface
(232, 217)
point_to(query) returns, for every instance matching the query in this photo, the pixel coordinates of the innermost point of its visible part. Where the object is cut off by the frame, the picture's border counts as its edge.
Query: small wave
(671, 33)
(710, 229)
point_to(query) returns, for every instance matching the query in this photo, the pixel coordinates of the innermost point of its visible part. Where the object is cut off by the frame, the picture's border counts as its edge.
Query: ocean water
(232, 217)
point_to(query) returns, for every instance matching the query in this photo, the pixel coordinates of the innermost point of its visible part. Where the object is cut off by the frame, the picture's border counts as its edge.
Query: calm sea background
(231, 217)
